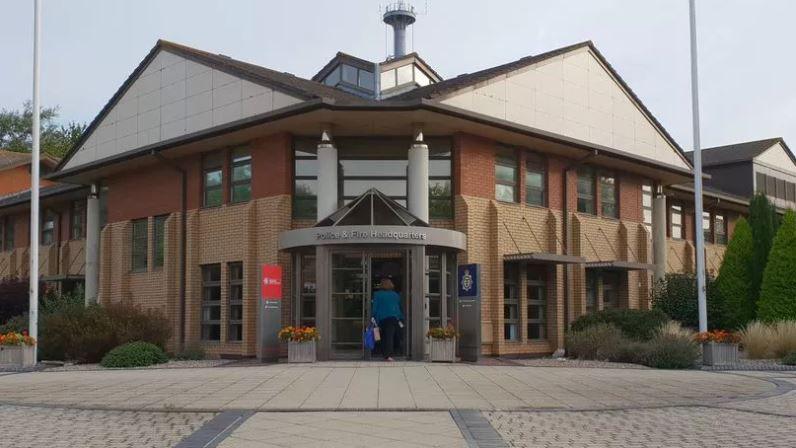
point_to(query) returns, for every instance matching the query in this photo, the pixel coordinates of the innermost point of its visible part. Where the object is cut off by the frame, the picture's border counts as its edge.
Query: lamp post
(33, 272)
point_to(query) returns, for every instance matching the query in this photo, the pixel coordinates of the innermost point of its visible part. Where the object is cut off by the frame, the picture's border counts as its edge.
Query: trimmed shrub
(85, 334)
(600, 341)
(134, 354)
(778, 291)
(763, 221)
(634, 324)
(757, 340)
(734, 283)
(789, 360)
(668, 351)
(15, 294)
(674, 328)
(676, 296)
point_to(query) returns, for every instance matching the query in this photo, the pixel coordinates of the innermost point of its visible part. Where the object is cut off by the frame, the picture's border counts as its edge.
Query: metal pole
(700, 236)
(33, 326)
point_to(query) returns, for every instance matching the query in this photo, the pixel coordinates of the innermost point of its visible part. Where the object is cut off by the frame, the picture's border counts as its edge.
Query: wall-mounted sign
(269, 313)
(371, 235)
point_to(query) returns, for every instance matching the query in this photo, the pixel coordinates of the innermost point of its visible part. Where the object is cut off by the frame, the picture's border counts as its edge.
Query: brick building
(547, 171)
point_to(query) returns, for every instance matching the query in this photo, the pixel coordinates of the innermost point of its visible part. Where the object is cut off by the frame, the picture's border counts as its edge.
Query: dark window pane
(306, 167)
(608, 196)
(438, 168)
(140, 245)
(213, 197)
(374, 168)
(505, 173)
(213, 178)
(241, 192)
(504, 193)
(586, 191)
(242, 172)
(159, 243)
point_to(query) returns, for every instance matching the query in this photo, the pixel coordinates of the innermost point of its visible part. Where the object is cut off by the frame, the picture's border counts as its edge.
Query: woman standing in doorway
(387, 312)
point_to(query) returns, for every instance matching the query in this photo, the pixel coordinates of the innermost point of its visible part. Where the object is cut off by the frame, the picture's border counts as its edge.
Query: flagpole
(699, 234)
(33, 327)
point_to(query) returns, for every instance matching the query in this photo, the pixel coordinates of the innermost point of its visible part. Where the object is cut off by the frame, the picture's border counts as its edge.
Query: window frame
(448, 200)
(47, 236)
(232, 285)
(540, 284)
(242, 159)
(602, 177)
(611, 282)
(313, 199)
(207, 168)
(141, 241)
(680, 225)
(77, 220)
(719, 237)
(507, 158)
(536, 164)
(207, 285)
(7, 242)
(647, 190)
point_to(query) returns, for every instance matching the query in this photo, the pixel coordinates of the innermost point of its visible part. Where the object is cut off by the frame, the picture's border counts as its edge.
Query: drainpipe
(183, 239)
(565, 228)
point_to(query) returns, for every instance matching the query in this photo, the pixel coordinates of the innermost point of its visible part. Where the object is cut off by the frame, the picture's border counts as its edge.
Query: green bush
(634, 324)
(74, 332)
(668, 351)
(734, 283)
(600, 341)
(764, 221)
(134, 354)
(191, 353)
(789, 360)
(778, 291)
(676, 296)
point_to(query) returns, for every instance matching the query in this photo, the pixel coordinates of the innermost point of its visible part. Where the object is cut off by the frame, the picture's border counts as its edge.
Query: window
(366, 80)
(349, 74)
(404, 74)
(388, 79)
(706, 230)
(241, 185)
(537, 301)
(591, 291)
(159, 241)
(434, 278)
(535, 180)
(611, 283)
(720, 229)
(771, 186)
(307, 287)
(213, 179)
(760, 182)
(305, 186)
(421, 78)
(140, 242)
(608, 193)
(506, 175)
(211, 302)
(511, 301)
(646, 205)
(7, 241)
(333, 77)
(676, 222)
(781, 188)
(586, 190)
(440, 191)
(379, 164)
(77, 220)
(235, 310)
(791, 193)
(48, 228)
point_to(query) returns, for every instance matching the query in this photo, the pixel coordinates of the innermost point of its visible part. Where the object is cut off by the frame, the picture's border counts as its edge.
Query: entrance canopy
(372, 218)
(619, 265)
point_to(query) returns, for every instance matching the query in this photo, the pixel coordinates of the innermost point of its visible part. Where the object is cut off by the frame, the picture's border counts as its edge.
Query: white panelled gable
(777, 156)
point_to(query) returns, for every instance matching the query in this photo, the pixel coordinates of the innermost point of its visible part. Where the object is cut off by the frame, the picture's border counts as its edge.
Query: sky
(747, 65)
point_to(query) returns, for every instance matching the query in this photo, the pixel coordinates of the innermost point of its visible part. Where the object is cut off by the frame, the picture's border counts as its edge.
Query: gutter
(183, 239)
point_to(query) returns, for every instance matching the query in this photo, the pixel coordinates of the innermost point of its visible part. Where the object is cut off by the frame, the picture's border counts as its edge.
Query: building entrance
(355, 277)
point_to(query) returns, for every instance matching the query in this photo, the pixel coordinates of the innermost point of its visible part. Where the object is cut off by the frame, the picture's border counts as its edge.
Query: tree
(56, 140)
(734, 283)
(778, 292)
(763, 220)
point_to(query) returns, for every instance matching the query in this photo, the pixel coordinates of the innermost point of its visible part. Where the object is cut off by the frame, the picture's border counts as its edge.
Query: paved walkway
(397, 386)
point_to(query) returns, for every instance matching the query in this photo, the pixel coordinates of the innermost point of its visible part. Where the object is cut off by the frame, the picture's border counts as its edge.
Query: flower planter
(719, 354)
(17, 356)
(301, 351)
(443, 350)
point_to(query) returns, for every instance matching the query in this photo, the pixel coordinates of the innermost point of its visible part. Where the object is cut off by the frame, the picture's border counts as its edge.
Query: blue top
(386, 303)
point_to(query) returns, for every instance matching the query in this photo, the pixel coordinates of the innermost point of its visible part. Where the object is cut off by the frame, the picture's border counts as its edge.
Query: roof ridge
(750, 142)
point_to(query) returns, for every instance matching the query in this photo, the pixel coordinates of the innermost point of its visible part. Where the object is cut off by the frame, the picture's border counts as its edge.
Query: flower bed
(301, 343)
(17, 350)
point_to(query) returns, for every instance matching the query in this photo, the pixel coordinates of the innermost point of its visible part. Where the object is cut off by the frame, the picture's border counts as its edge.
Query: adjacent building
(548, 171)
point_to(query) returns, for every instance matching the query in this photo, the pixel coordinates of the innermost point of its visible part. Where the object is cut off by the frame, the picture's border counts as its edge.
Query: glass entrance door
(348, 303)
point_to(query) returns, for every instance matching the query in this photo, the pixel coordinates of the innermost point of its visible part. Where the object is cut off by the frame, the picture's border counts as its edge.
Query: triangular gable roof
(372, 208)
(740, 152)
(13, 159)
(447, 90)
(291, 89)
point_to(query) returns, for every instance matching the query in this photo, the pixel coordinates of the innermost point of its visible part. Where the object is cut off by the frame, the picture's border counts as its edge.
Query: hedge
(734, 283)
(635, 324)
(778, 292)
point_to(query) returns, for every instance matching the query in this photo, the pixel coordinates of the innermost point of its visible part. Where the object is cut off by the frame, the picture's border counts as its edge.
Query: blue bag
(370, 338)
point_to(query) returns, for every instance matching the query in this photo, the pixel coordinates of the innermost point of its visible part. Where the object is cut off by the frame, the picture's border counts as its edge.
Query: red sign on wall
(271, 282)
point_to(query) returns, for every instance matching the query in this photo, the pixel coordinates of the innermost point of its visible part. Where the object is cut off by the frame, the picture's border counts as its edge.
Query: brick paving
(689, 427)
(56, 427)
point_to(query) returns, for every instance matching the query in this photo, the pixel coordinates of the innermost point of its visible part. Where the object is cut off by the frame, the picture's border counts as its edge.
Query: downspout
(565, 229)
(183, 240)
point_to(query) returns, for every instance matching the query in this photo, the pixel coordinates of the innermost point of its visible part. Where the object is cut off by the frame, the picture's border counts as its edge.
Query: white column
(418, 177)
(327, 176)
(92, 245)
(659, 249)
